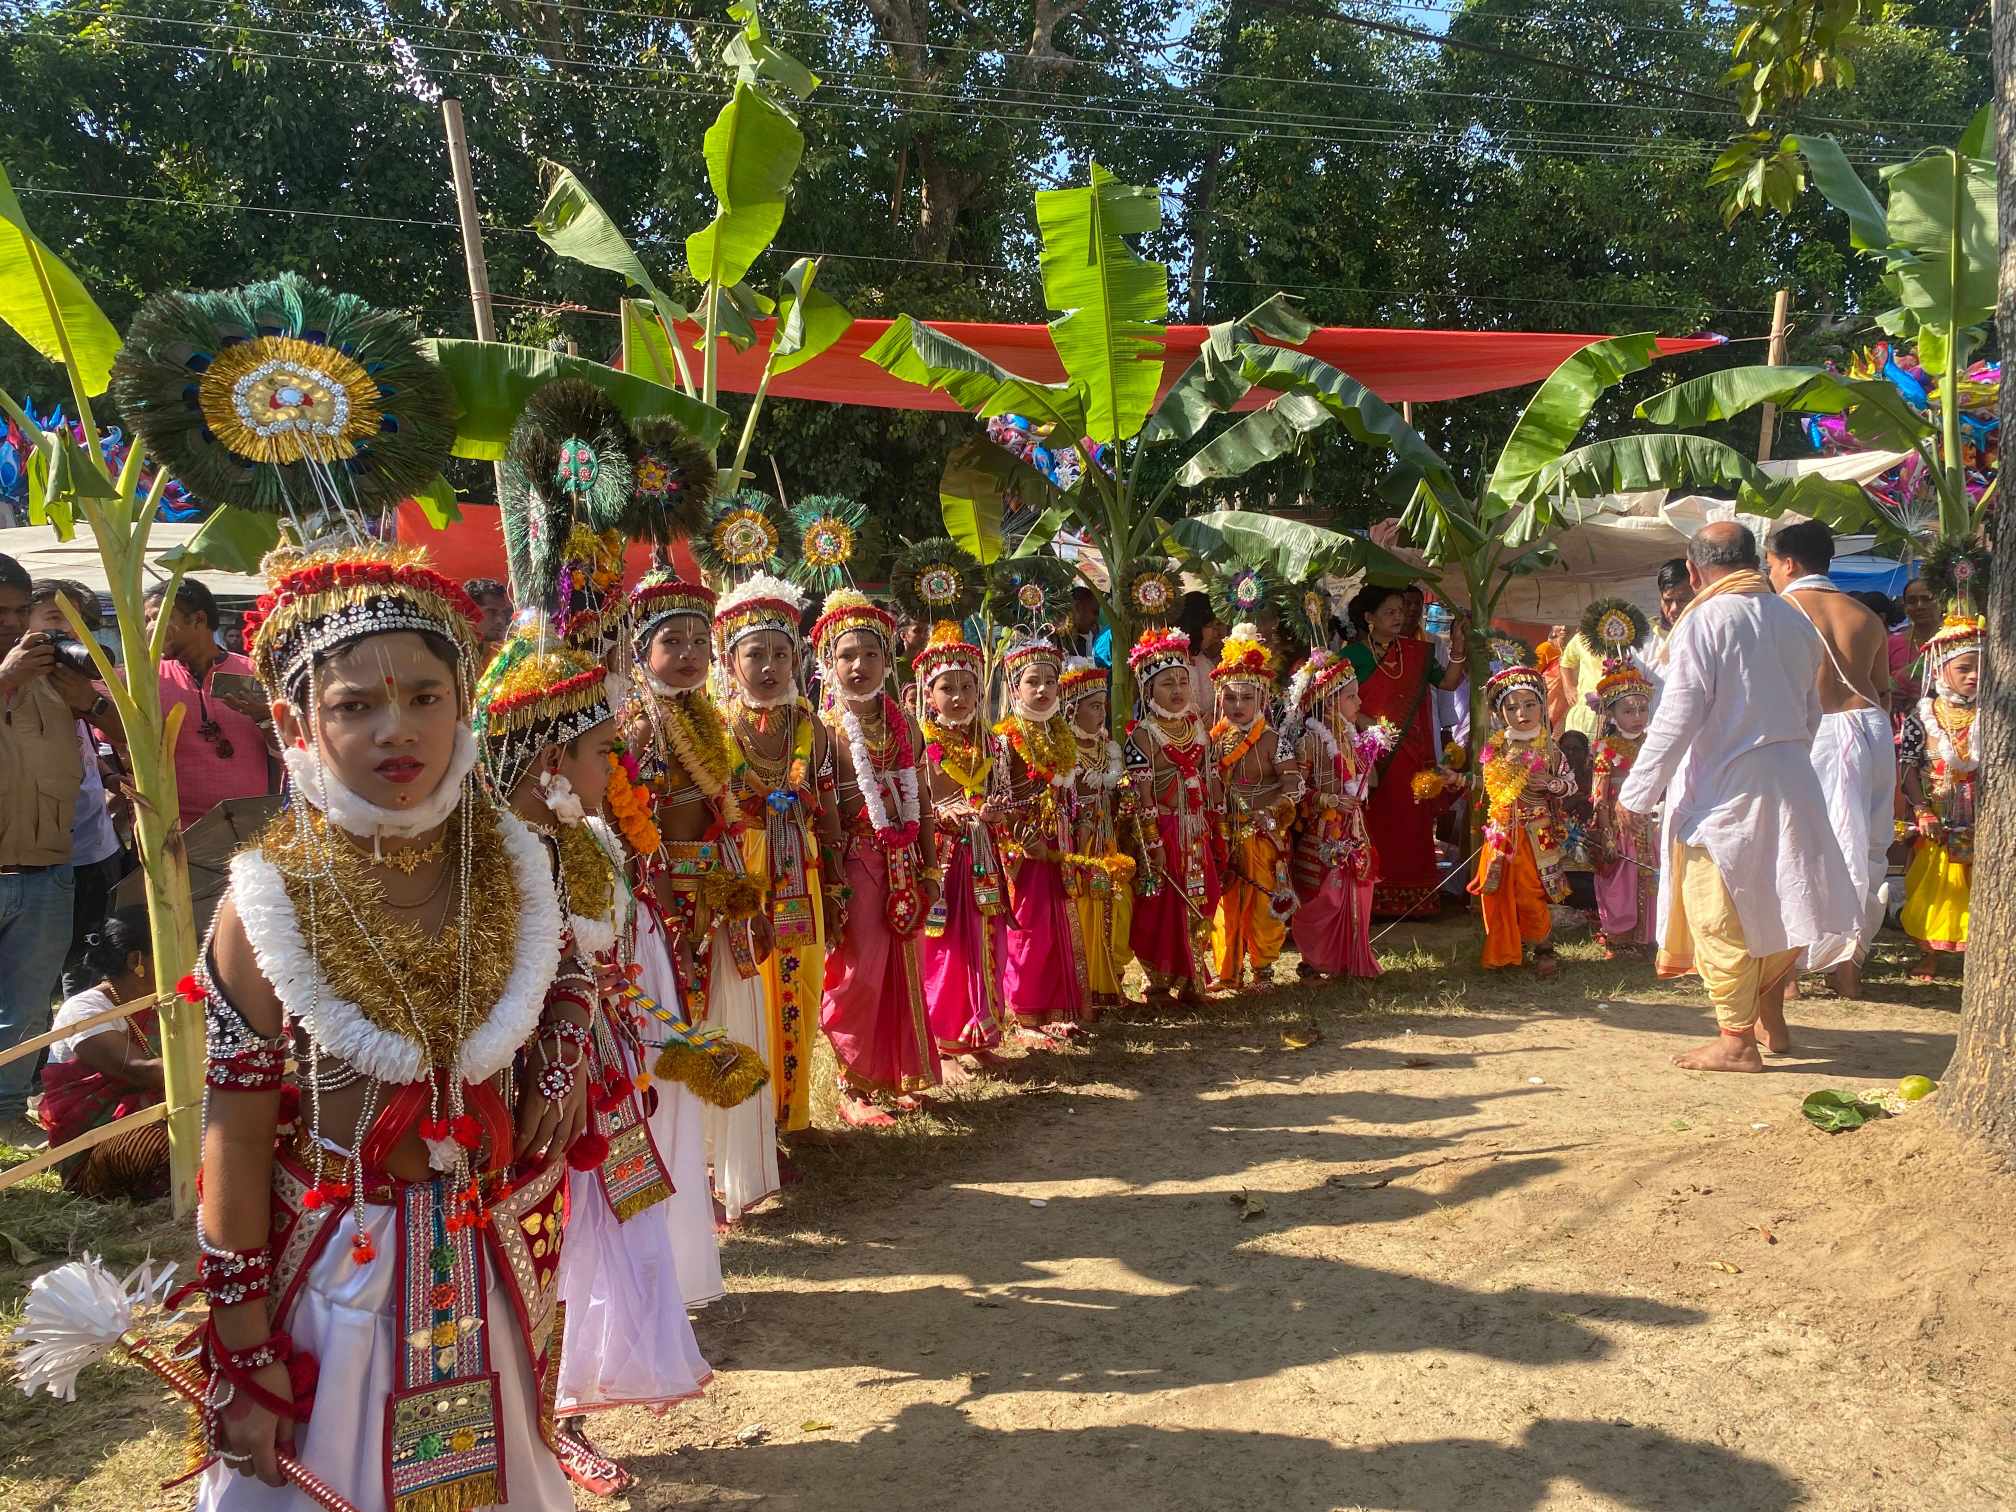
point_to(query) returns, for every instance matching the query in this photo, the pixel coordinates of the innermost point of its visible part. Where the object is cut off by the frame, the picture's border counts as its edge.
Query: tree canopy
(1549, 173)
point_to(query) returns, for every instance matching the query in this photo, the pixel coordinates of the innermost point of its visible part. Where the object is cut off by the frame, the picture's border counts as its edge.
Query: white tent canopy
(1622, 539)
(41, 555)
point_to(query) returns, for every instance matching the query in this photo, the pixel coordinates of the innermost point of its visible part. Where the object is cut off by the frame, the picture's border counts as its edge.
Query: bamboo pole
(472, 238)
(1781, 307)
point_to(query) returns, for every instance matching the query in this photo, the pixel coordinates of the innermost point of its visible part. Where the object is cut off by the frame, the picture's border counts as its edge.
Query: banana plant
(1936, 239)
(1502, 529)
(50, 308)
(752, 152)
(1111, 310)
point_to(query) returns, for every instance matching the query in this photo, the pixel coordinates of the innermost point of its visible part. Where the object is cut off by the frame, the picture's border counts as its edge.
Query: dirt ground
(1439, 1244)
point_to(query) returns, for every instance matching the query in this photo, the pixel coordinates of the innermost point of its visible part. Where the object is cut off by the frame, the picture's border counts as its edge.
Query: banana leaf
(493, 379)
(230, 540)
(754, 60)
(970, 497)
(576, 226)
(809, 320)
(1634, 464)
(437, 502)
(93, 339)
(1556, 413)
(1111, 303)
(1868, 226)
(1442, 525)
(1216, 378)
(1293, 550)
(1876, 413)
(923, 355)
(1259, 437)
(1369, 420)
(752, 149)
(1922, 223)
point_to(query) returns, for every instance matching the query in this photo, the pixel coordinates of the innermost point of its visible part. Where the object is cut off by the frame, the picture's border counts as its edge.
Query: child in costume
(1260, 783)
(545, 736)
(1624, 848)
(695, 942)
(1175, 786)
(873, 1009)
(1525, 779)
(1103, 835)
(780, 746)
(1941, 765)
(391, 1210)
(1335, 864)
(1046, 985)
(962, 952)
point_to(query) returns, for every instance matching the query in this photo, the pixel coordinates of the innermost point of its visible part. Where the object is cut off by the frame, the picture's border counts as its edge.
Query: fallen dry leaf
(1769, 1237)
(1357, 1186)
(1249, 1206)
(1302, 1038)
(1725, 1267)
(814, 1425)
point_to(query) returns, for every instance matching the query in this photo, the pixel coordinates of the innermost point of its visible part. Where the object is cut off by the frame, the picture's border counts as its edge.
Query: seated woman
(109, 1070)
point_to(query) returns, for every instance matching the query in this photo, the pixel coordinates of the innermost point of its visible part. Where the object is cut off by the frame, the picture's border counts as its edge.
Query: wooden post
(1780, 308)
(465, 210)
(472, 238)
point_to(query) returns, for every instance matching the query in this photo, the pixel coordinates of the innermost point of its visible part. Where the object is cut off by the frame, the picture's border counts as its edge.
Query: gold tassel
(468, 1495)
(725, 1080)
(640, 1202)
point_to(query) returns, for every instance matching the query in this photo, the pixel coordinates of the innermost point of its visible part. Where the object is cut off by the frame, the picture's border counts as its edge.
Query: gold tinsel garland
(383, 963)
(586, 874)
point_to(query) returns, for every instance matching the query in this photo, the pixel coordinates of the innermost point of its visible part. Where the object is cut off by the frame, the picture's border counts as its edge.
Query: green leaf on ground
(1834, 1112)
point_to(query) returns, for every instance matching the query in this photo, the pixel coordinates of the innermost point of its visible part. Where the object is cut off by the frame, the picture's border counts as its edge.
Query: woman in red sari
(1396, 678)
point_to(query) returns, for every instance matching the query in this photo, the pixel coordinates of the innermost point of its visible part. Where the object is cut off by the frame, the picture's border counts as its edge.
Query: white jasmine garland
(1111, 776)
(904, 779)
(560, 798)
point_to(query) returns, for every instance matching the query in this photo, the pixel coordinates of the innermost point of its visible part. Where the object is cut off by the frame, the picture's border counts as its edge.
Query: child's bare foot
(1792, 989)
(911, 1102)
(1927, 969)
(987, 1060)
(1726, 1052)
(1847, 979)
(1545, 964)
(953, 1070)
(1035, 1038)
(863, 1114)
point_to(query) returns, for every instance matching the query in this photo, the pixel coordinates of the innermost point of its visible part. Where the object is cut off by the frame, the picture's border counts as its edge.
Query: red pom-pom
(363, 1251)
(303, 1375)
(189, 989)
(290, 1105)
(312, 1198)
(504, 1189)
(588, 1152)
(433, 1128)
(467, 1131)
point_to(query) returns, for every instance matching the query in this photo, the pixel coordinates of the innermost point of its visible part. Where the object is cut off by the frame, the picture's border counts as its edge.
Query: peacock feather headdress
(286, 398)
(1245, 590)
(1957, 569)
(746, 533)
(829, 529)
(566, 492)
(936, 580)
(672, 484)
(1612, 626)
(1033, 591)
(1155, 595)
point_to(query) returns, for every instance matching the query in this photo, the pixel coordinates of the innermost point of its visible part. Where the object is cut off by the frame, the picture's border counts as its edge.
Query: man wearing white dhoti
(1753, 878)
(1852, 753)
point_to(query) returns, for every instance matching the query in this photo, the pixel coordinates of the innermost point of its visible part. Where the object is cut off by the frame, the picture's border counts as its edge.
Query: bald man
(1754, 880)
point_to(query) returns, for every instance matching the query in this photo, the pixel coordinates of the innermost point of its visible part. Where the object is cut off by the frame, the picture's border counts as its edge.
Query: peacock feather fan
(829, 533)
(1310, 614)
(1957, 569)
(567, 466)
(747, 533)
(937, 580)
(1509, 650)
(1612, 626)
(1154, 595)
(672, 487)
(283, 397)
(1245, 590)
(1033, 591)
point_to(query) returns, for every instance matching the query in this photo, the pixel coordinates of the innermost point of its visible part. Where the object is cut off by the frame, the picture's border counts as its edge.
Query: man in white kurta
(1753, 876)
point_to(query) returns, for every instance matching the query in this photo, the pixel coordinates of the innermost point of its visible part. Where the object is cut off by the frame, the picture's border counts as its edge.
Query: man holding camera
(42, 695)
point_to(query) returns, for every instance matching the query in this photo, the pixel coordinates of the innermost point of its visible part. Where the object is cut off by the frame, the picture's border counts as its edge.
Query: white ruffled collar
(310, 778)
(340, 1027)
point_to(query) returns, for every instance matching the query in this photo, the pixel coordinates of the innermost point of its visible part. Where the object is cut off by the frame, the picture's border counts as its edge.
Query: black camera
(74, 654)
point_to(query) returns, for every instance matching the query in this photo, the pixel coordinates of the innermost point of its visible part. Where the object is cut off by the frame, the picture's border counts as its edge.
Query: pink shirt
(204, 777)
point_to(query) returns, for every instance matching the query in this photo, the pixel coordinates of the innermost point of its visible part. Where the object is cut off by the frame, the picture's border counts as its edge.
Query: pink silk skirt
(1044, 980)
(873, 1010)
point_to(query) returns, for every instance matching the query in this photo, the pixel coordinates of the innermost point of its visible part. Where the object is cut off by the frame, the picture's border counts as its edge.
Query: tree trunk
(1979, 1097)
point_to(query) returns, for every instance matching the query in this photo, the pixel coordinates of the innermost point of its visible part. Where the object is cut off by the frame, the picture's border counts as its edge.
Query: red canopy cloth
(473, 546)
(1397, 365)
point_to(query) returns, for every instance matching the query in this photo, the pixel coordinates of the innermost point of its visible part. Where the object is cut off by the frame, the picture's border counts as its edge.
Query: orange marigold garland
(629, 805)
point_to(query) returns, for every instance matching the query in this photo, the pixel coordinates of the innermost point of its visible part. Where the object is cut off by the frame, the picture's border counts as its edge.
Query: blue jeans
(36, 909)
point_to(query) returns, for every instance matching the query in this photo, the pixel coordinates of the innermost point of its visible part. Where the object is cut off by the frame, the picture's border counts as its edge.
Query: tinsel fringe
(726, 1081)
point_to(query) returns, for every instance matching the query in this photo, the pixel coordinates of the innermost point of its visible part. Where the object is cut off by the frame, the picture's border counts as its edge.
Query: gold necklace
(410, 860)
